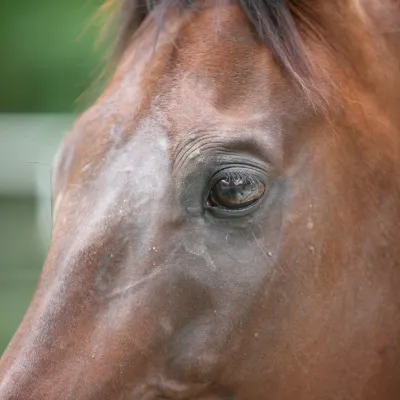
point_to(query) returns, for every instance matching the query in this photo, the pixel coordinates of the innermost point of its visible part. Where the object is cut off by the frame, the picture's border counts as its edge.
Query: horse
(226, 215)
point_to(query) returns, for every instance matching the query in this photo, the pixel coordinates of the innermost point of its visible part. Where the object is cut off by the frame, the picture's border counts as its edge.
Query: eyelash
(232, 176)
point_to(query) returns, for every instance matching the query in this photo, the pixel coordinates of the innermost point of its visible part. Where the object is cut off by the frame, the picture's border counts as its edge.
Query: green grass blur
(48, 62)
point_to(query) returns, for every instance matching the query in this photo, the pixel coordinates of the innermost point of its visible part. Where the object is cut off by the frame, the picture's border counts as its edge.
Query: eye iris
(236, 192)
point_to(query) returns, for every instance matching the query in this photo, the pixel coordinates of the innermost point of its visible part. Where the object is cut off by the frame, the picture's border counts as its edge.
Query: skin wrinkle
(244, 141)
(192, 140)
(147, 295)
(195, 150)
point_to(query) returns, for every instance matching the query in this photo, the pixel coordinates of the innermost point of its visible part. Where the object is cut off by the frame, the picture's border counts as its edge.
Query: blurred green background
(48, 63)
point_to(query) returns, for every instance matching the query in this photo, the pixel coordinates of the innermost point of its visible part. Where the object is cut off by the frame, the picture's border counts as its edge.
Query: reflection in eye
(236, 191)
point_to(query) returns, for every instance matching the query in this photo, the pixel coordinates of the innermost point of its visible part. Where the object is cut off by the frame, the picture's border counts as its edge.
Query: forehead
(221, 72)
(204, 72)
(200, 65)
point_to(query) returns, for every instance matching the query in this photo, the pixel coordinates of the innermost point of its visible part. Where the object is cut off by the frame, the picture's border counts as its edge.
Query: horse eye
(235, 192)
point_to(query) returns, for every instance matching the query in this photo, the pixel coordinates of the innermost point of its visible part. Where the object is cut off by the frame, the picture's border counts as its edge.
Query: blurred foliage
(47, 54)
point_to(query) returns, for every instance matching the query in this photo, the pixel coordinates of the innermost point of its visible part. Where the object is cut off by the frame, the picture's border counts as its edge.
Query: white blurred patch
(28, 143)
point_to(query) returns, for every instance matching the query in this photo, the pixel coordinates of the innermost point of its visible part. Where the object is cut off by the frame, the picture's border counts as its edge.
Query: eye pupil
(236, 192)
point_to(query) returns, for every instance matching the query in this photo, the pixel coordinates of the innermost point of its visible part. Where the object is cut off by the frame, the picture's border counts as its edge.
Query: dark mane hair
(274, 20)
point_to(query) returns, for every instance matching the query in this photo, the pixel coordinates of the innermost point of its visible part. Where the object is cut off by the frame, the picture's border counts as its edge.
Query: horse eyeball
(236, 193)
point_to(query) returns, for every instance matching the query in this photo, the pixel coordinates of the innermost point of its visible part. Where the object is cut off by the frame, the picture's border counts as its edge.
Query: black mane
(274, 21)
